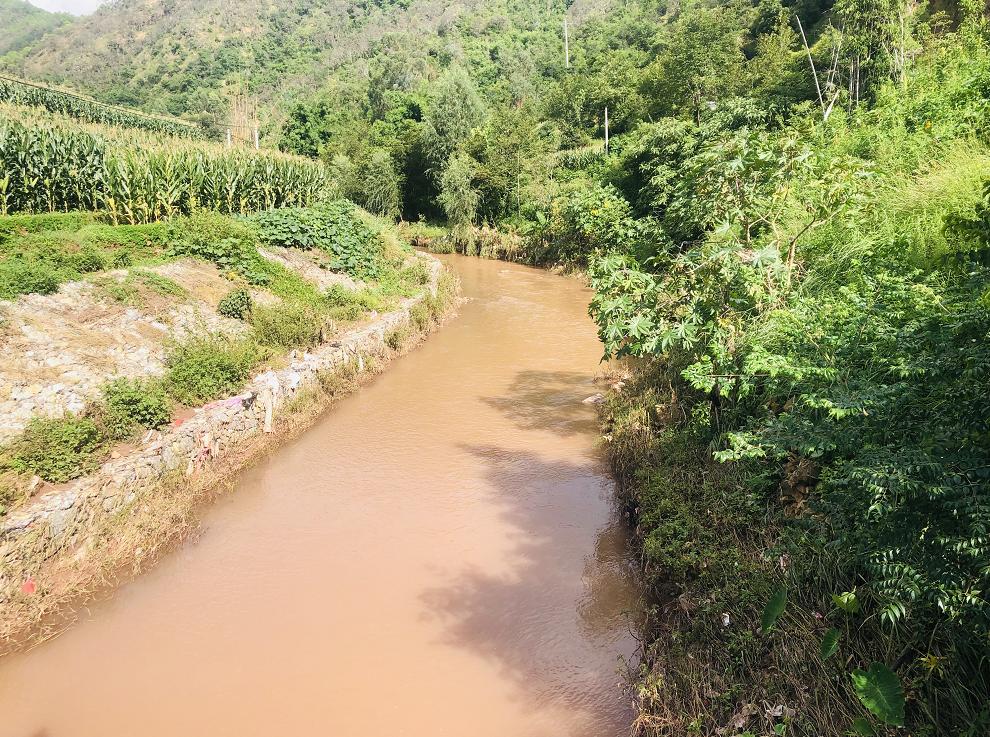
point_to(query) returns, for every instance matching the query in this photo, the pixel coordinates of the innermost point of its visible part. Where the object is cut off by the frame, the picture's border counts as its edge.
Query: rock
(595, 399)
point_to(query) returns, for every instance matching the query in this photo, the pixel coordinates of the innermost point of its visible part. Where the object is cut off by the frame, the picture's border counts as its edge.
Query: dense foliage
(788, 229)
(25, 24)
(811, 287)
(334, 228)
(793, 240)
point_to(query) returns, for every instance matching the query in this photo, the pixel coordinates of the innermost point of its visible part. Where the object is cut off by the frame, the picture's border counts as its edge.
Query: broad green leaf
(830, 643)
(846, 601)
(881, 692)
(774, 608)
(862, 727)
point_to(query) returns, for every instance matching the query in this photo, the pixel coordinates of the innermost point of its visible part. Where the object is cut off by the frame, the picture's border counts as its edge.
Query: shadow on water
(557, 629)
(549, 400)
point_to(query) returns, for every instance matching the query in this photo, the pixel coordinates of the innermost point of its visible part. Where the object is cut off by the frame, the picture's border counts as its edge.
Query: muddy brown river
(439, 555)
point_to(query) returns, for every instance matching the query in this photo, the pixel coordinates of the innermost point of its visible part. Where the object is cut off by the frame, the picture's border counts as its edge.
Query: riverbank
(754, 624)
(118, 520)
(451, 525)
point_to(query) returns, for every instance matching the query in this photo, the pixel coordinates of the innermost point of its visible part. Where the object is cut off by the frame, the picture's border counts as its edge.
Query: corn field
(72, 106)
(52, 167)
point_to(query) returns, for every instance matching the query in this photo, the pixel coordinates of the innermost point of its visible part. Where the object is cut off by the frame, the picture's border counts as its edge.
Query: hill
(24, 24)
(186, 57)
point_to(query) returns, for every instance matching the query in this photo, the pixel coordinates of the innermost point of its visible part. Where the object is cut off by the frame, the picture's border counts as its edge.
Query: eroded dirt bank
(438, 555)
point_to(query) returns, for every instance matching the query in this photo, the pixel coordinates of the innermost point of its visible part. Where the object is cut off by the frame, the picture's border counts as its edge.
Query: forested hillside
(24, 24)
(185, 57)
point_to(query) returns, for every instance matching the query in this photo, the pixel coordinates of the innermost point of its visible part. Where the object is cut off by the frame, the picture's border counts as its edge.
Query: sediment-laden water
(437, 556)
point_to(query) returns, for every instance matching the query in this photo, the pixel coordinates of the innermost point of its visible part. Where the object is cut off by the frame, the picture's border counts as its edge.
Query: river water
(437, 556)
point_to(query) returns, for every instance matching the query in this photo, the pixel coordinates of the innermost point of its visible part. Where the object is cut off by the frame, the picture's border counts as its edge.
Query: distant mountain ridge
(24, 24)
(188, 57)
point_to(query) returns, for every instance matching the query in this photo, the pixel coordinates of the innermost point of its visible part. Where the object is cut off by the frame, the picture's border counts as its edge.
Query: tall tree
(454, 110)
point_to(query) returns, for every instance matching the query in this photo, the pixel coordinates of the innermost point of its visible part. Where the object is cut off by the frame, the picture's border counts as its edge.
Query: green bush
(58, 450)
(333, 228)
(287, 325)
(229, 244)
(88, 260)
(12, 225)
(128, 404)
(207, 367)
(350, 304)
(22, 277)
(236, 305)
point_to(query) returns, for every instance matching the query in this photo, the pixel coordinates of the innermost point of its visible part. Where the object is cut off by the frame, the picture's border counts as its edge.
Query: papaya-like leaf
(830, 643)
(881, 692)
(774, 608)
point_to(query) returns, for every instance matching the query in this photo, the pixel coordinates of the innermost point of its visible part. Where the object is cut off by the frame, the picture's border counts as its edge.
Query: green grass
(205, 368)
(128, 404)
(288, 325)
(57, 450)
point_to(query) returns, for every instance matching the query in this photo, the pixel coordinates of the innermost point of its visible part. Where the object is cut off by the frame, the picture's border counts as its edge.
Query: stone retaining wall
(61, 520)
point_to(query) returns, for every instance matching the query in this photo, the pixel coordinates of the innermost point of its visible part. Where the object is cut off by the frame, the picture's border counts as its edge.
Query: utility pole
(567, 46)
(606, 130)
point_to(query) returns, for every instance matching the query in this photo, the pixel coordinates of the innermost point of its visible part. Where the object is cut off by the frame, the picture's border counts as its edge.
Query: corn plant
(74, 106)
(48, 164)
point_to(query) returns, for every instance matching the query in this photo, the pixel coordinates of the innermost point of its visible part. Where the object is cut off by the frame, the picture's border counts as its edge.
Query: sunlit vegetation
(51, 164)
(25, 24)
(793, 241)
(40, 252)
(18, 92)
(788, 230)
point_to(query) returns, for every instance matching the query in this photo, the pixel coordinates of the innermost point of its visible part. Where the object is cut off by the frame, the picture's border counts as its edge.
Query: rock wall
(62, 348)
(61, 520)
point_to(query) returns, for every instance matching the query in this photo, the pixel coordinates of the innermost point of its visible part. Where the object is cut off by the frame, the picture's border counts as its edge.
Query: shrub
(24, 277)
(17, 224)
(333, 228)
(128, 404)
(397, 338)
(350, 304)
(287, 325)
(88, 260)
(122, 259)
(382, 194)
(236, 305)
(58, 450)
(207, 367)
(223, 241)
